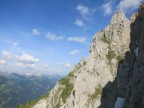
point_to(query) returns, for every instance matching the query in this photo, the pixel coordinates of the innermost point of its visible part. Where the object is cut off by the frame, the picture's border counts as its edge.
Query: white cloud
(3, 62)
(83, 10)
(15, 45)
(20, 63)
(85, 15)
(129, 5)
(67, 65)
(77, 39)
(74, 52)
(46, 65)
(107, 7)
(23, 65)
(79, 23)
(24, 58)
(35, 32)
(7, 55)
(126, 5)
(53, 37)
(60, 63)
(64, 64)
(28, 59)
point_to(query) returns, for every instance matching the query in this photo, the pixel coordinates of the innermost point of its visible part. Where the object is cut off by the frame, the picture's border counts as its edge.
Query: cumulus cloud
(3, 62)
(85, 15)
(20, 63)
(67, 65)
(64, 64)
(126, 5)
(79, 23)
(20, 60)
(26, 63)
(35, 32)
(77, 39)
(74, 52)
(107, 7)
(129, 5)
(28, 59)
(7, 55)
(23, 65)
(53, 37)
(83, 10)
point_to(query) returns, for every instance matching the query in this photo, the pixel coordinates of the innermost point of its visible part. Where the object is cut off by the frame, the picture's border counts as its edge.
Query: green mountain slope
(17, 89)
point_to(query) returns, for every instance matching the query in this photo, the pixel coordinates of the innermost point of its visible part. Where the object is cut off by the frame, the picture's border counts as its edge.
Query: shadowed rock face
(114, 69)
(129, 82)
(134, 96)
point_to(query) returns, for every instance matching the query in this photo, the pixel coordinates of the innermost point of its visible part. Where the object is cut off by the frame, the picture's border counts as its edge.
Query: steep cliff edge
(113, 72)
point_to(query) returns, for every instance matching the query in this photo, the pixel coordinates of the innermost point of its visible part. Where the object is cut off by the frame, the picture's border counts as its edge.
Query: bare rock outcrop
(113, 74)
(83, 87)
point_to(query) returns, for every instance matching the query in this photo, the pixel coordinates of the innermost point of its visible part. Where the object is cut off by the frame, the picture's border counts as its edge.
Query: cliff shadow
(121, 87)
(117, 88)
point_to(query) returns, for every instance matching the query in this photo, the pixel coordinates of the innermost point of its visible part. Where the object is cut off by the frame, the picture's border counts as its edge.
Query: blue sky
(50, 36)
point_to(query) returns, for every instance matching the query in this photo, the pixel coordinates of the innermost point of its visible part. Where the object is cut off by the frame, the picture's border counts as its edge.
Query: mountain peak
(113, 74)
(118, 17)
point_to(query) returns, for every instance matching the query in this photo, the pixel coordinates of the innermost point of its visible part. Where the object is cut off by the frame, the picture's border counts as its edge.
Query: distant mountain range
(16, 89)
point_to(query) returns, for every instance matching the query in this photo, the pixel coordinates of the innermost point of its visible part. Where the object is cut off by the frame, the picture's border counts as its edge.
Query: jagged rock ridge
(114, 69)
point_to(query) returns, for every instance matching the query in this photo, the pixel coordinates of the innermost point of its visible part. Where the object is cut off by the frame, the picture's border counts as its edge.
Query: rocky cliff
(112, 76)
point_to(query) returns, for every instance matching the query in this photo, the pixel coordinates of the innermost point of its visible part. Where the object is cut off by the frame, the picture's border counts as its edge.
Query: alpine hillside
(113, 74)
(16, 89)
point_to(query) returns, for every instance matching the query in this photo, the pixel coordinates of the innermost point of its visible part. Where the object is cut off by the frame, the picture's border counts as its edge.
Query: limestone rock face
(90, 77)
(113, 74)
(118, 17)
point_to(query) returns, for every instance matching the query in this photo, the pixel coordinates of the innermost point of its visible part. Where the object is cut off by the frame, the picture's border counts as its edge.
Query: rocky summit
(113, 74)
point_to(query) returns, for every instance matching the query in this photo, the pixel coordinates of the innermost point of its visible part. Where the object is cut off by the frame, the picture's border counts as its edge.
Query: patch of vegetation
(101, 30)
(56, 97)
(71, 74)
(57, 105)
(84, 63)
(64, 91)
(97, 93)
(120, 58)
(110, 55)
(16, 89)
(68, 87)
(30, 104)
(105, 40)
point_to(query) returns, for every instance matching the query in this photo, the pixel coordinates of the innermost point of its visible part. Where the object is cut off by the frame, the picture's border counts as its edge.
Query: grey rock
(114, 69)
